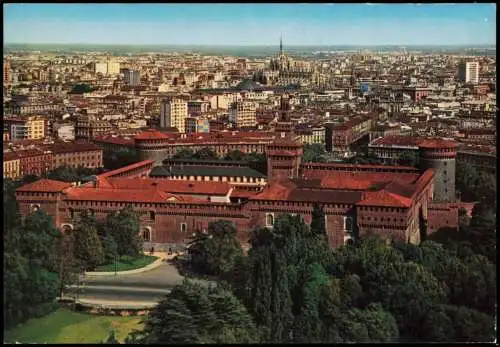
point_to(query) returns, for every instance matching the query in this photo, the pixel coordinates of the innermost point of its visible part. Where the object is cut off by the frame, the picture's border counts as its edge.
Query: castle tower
(284, 157)
(439, 154)
(284, 125)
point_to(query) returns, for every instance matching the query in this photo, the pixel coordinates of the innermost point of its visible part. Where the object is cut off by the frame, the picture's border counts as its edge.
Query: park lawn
(66, 326)
(136, 263)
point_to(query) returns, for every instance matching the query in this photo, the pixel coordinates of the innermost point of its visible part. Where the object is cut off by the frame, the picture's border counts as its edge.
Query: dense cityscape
(236, 195)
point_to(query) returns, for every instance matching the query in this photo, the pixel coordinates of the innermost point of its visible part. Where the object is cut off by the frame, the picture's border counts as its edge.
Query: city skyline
(257, 24)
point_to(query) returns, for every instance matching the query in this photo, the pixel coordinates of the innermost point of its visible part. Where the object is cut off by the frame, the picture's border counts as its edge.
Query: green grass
(122, 265)
(65, 326)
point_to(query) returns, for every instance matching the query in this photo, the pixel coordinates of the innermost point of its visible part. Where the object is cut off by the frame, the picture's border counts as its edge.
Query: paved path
(136, 289)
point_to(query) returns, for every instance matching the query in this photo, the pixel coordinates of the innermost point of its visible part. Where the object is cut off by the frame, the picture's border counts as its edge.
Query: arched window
(146, 234)
(348, 224)
(269, 220)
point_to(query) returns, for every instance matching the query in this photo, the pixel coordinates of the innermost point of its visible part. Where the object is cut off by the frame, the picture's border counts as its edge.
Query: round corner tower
(440, 155)
(152, 145)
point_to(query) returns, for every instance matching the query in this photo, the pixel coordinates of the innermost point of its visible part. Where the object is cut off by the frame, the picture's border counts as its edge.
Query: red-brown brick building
(392, 201)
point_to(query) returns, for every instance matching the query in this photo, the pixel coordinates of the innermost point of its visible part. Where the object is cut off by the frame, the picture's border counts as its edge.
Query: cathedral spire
(281, 44)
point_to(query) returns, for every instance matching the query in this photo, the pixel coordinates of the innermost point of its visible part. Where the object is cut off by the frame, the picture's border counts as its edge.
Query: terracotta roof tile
(384, 198)
(44, 185)
(172, 186)
(127, 195)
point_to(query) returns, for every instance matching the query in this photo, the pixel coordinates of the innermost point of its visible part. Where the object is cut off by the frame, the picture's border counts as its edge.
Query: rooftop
(167, 171)
(44, 185)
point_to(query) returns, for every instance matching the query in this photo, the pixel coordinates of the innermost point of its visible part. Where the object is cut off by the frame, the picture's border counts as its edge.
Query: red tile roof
(144, 163)
(151, 135)
(384, 198)
(122, 194)
(172, 186)
(44, 185)
(437, 143)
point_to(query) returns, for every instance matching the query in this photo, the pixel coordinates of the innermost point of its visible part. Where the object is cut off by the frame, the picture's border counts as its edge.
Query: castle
(395, 202)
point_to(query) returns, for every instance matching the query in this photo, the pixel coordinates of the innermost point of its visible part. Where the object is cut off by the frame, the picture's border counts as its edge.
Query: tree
(81, 88)
(318, 223)
(372, 324)
(113, 160)
(65, 262)
(235, 155)
(216, 252)
(313, 153)
(88, 247)
(192, 313)
(184, 153)
(408, 158)
(110, 249)
(112, 340)
(30, 285)
(124, 227)
(206, 153)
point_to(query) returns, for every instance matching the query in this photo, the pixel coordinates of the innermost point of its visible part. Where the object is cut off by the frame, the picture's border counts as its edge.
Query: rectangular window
(183, 227)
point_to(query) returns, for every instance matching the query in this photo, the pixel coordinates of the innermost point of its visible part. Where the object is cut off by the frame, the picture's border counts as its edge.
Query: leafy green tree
(313, 153)
(110, 249)
(88, 247)
(206, 153)
(65, 262)
(30, 287)
(408, 158)
(124, 227)
(117, 159)
(37, 237)
(470, 325)
(192, 313)
(184, 153)
(318, 224)
(372, 324)
(81, 88)
(235, 155)
(112, 340)
(257, 161)
(308, 323)
(216, 252)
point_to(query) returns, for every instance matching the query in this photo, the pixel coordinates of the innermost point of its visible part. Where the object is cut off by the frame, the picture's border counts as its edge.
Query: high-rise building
(468, 72)
(109, 68)
(132, 77)
(113, 68)
(101, 68)
(243, 114)
(7, 76)
(173, 113)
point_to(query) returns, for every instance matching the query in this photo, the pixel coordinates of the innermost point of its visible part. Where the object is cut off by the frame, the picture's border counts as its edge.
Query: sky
(251, 24)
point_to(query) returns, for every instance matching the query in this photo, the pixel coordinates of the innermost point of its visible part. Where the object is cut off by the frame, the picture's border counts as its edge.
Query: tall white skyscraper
(173, 113)
(468, 72)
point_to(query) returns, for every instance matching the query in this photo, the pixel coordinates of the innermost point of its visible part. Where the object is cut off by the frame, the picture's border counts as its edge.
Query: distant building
(173, 113)
(468, 72)
(7, 76)
(109, 68)
(197, 125)
(132, 77)
(31, 128)
(243, 114)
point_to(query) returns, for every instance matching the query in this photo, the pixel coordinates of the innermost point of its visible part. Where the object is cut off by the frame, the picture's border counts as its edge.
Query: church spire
(281, 44)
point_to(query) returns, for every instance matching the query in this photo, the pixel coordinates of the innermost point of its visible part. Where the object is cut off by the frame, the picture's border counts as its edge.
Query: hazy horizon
(251, 24)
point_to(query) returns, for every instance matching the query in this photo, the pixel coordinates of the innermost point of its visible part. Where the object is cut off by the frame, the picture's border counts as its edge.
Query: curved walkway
(142, 289)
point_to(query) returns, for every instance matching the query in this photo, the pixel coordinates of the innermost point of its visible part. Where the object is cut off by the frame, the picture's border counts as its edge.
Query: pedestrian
(152, 250)
(170, 251)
